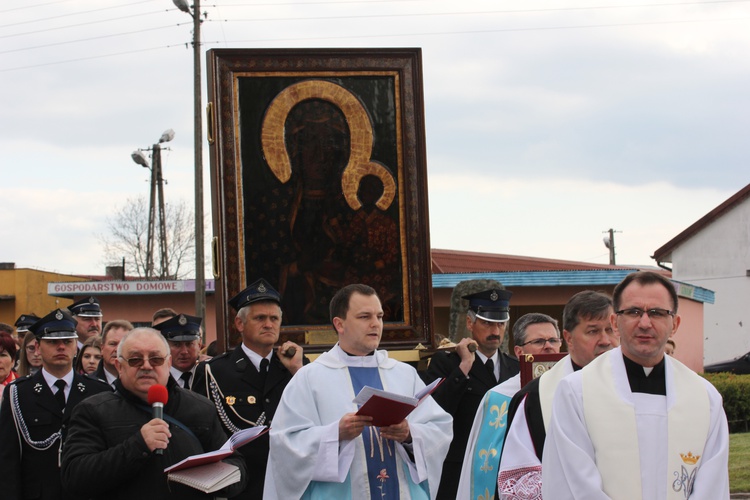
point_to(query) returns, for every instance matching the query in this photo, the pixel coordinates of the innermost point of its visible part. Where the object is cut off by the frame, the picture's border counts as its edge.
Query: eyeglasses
(553, 341)
(654, 314)
(31, 348)
(138, 362)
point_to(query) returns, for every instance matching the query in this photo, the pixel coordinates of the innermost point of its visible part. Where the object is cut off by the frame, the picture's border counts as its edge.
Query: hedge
(735, 390)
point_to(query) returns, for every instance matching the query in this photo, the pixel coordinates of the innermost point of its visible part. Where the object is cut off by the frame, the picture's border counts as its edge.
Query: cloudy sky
(547, 122)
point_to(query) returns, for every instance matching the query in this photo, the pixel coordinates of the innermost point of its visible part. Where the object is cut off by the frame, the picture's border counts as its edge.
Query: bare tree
(128, 234)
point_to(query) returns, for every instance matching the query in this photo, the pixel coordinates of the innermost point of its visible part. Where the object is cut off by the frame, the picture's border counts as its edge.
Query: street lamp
(200, 277)
(157, 185)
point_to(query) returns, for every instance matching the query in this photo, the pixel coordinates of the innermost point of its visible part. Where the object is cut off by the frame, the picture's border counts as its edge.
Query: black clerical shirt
(653, 383)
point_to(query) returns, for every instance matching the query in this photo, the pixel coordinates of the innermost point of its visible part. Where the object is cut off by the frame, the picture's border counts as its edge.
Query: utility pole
(609, 242)
(157, 186)
(151, 223)
(200, 268)
(200, 271)
(156, 172)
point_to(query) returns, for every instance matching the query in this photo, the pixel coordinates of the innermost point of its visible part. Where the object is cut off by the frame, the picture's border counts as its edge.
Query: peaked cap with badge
(24, 321)
(86, 308)
(181, 328)
(491, 305)
(259, 291)
(56, 325)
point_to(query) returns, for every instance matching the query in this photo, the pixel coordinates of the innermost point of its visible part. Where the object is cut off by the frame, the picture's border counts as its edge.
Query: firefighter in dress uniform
(35, 411)
(246, 384)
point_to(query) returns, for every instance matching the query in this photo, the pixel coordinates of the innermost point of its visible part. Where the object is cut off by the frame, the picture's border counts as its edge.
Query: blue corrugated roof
(564, 278)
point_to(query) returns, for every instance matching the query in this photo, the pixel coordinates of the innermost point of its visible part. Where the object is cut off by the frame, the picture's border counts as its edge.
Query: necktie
(60, 394)
(491, 368)
(263, 369)
(186, 380)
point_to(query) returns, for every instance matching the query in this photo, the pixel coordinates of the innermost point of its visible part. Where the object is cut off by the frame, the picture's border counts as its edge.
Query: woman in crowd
(7, 355)
(89, 356)
(29, 360)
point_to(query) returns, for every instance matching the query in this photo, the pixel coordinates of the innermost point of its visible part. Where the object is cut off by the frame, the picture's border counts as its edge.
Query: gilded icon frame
(318, 179)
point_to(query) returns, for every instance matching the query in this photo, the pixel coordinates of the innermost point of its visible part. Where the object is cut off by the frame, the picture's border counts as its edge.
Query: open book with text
(239, 438)
(387, 408)
(206, 472)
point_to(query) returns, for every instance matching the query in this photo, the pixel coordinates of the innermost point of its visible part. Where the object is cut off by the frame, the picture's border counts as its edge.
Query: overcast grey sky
(547, 122)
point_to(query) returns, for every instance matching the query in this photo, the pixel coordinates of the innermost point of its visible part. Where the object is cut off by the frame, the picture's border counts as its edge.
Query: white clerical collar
(254, 357)
(356, 361)
(51, 379)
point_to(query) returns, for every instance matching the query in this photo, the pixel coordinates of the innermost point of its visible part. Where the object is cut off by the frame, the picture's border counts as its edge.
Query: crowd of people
(615, 418)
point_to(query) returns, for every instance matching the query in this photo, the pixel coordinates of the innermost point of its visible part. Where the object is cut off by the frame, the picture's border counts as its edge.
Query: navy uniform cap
(56, 325)
(491, 305)
(181, 328)
(24, 321)
(86, 308)
(260, 291)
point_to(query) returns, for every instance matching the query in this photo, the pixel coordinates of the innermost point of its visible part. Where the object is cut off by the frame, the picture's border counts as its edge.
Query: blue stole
(486, 457)
(382, 474)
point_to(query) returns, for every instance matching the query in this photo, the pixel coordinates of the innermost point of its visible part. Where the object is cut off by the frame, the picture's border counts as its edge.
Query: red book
(387, 408)
(239, 438)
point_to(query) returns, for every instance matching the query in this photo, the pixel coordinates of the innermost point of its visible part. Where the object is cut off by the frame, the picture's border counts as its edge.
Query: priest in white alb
(321, 449)
(588, 333)
(635, 424)
(533, 333)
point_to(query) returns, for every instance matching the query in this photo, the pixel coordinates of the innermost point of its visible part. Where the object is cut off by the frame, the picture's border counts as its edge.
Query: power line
(69, 14)
(468, 32)
(440, 33)
(88, 23)
(23, 7)
(112, 35)
(375, 16)
(500, 30)
(365, 2)
(320, 17)
(360, 2)
(473, 13)
(54, 63)
(429, 14)
(504, 30)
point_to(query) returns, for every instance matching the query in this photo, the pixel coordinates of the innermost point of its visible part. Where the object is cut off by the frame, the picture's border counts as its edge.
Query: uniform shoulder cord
(214, 392)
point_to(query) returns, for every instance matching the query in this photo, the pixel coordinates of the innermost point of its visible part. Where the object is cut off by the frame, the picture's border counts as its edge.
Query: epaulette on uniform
(219, 356)
(90, 376)
(100, 381)
(21, 379)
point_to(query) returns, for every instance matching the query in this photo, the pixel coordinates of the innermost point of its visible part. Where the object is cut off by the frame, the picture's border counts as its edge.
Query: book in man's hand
(387, 408)
(239, 438)
(209, 477)
(206, 472)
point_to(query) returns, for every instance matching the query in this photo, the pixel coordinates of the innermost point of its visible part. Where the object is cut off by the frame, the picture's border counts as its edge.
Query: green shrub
(735, 390)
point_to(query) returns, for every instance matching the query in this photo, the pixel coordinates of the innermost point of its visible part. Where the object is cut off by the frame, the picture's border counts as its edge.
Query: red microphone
(157, 398)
